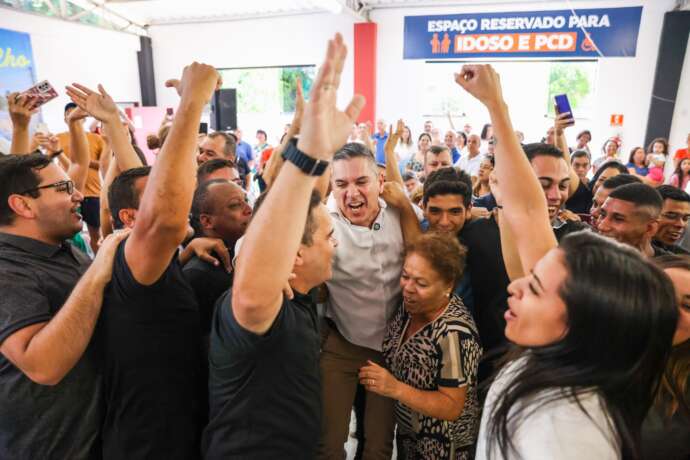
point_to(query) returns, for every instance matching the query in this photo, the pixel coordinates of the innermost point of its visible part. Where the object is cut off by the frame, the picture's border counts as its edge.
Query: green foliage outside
(570, 79)
(288, 82)
(271, 89)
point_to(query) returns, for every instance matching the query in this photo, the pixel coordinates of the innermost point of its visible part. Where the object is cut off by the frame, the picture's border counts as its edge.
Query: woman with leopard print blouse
(432, 350)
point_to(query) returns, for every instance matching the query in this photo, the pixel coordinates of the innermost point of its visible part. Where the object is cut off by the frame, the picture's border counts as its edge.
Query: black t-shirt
(41, 421)
(152, 366)
(209, 282)
(265, 390)
(580, 202)
(665, 438)
(489, 281)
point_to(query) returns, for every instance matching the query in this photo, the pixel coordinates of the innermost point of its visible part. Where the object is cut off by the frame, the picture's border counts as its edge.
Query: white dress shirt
(470, 165)
(364, 291)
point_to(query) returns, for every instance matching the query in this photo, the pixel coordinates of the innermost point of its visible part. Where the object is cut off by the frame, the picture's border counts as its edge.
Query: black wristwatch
(304, 162)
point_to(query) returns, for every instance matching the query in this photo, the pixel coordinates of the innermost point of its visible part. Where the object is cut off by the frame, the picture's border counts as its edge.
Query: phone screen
(563, 104)
(203, 128)
(169, 111)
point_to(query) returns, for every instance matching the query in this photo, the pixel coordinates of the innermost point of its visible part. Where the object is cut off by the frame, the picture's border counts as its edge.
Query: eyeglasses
(61, 186)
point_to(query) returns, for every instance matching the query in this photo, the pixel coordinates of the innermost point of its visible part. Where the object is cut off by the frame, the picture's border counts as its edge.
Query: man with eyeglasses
(673, 221)
(50, 383)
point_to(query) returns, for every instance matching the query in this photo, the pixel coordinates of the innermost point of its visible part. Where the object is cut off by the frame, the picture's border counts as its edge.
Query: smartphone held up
(40, 93)
(563, 106)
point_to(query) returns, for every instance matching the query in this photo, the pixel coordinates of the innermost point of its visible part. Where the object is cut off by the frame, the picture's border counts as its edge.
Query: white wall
(69, 52)
(624, 85)
(292, 40)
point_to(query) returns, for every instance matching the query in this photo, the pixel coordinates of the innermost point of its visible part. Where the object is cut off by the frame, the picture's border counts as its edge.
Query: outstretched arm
(392, 169)
(265, 262)
(524, 205)
(78, 169)
(562, 121)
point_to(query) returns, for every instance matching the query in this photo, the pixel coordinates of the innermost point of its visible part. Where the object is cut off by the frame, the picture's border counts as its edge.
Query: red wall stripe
(365, 68)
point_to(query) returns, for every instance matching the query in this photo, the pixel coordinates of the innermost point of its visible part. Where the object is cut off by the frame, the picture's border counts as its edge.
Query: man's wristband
(308, 165)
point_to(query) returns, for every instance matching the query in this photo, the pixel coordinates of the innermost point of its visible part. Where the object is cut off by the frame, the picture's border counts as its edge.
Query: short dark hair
(446, 187)
(579, 154)
(622, 179)
(443, 252)
(261, 131)
(18, 173)
(310, 226)
(435, 150)
(669, 192)
(69, 106)
(211, 166)
(408, 175)
(123, 195)
(354, 150)
(642, 195)
(230, 143)
(200, 204)
(540, 149)
(448, 173)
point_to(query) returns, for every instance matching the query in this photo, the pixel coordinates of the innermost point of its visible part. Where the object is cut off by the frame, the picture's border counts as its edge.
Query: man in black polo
(264, 360)
(149, 324)
(219, 210)
(50, 383)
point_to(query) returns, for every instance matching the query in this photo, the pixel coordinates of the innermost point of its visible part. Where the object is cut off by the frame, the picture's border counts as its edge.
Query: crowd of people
(465, 296)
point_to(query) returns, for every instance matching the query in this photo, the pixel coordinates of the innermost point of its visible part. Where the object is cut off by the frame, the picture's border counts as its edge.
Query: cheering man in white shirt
(363, 294)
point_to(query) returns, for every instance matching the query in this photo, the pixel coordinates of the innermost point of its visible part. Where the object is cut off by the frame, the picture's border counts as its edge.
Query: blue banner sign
(16, 71)
(600, 32)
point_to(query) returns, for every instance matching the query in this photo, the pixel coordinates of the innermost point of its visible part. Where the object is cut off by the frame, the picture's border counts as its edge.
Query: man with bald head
(470, 163)
(449, 140)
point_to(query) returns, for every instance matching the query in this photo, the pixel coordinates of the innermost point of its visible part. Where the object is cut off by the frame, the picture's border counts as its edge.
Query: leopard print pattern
(418, 362)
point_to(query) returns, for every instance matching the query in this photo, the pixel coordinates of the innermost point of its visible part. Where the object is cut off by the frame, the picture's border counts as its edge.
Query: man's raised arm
(265, 261)
(162, 219)
(524, 205)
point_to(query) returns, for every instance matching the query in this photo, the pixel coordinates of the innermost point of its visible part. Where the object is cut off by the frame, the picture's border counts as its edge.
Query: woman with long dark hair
(681, 176)
(416, 161)
(606, 171)
(592, 323)
(666, 430)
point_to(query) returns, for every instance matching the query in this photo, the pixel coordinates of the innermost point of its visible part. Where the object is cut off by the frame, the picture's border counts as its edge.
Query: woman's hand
(378, 380)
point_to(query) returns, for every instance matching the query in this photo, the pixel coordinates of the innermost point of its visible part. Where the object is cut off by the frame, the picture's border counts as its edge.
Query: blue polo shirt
(380, 144)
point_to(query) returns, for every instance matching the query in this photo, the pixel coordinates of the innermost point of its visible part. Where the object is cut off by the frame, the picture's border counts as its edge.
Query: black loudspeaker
(669, 65)
(224, 110)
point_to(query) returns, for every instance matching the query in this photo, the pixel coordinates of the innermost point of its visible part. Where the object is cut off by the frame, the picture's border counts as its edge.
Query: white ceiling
(157, 12)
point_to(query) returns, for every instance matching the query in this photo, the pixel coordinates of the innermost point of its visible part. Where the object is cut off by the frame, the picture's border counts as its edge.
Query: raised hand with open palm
(325, 128)
(97, 104)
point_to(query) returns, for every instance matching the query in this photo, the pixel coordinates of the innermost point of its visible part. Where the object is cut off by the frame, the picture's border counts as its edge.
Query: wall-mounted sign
(16, 72)
(561, 33)
(616, 119)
